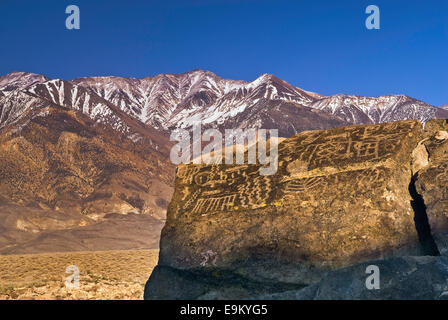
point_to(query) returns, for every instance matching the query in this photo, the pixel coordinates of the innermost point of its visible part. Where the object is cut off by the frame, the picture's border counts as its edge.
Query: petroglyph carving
(192, 199)
(215, 177)
(223, 203)
(291, 144)
(255, 192)
(442, 174)
(358, 178)
(185, 193)
(305, 184)
(207, 257)
(355, 144)
(186, 173)
(211, 192)
(367, 148)
(202, 178)
(297, 166)
(309, 159)
(375, 176)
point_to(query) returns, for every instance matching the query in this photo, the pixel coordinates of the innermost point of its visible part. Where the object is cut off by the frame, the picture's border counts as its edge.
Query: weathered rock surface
(432, 180)
(401, 278)
(339, 197)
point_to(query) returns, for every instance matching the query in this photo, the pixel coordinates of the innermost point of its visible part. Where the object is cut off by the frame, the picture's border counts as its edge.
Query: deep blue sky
(317, 45)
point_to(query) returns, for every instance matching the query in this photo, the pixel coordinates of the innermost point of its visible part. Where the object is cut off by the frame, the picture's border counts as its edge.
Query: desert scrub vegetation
(108, 275)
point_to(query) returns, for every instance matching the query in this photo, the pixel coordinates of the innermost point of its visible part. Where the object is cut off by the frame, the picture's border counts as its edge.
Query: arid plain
(104, 275)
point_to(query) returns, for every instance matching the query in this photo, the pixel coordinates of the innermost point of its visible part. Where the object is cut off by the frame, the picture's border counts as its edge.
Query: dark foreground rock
(168, 283)
(401, 278)
(340, 197)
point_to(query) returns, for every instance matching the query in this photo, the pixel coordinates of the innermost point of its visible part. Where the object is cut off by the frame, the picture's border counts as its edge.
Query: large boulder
(340, 197)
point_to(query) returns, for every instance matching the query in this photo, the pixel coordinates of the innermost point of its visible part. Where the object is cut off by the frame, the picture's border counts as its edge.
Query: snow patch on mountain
(358, 110)
(169, 101)
(19, 80)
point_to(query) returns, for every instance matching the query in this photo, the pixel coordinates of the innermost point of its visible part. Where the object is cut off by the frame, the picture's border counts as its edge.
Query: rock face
(339, 197)
(432, 179)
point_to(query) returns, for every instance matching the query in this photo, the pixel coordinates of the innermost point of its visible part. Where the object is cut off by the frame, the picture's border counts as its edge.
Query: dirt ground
(103, 275)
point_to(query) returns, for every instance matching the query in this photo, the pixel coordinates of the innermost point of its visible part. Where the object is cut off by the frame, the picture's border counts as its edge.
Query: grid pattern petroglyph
(305, 184)
(222, 203)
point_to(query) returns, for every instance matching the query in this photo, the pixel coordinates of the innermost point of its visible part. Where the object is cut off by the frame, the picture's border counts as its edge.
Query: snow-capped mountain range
(168, 101)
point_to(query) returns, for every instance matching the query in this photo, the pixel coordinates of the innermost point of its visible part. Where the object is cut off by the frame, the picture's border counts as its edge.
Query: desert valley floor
(119, 274)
